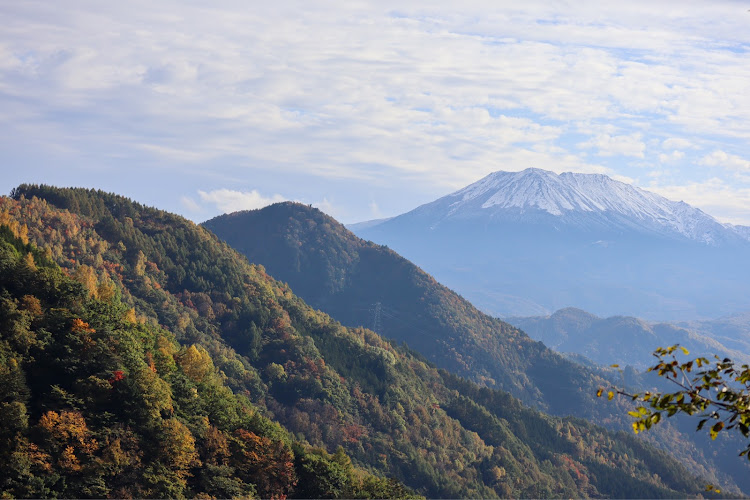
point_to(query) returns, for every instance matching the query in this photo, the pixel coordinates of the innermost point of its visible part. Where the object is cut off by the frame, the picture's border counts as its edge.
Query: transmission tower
(376, 324)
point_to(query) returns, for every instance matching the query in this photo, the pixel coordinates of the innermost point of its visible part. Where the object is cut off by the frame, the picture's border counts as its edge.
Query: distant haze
(527, 243)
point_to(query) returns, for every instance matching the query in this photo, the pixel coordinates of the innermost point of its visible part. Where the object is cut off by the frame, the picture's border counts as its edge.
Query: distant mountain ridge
(732, 331)
(531, 242)
(620, 340)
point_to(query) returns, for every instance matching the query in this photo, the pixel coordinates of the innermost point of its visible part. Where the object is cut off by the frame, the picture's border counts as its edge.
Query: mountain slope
(732, 331)
(348, 277)
(618, 340)
(95, 404)
(527, 243)
(326, 384)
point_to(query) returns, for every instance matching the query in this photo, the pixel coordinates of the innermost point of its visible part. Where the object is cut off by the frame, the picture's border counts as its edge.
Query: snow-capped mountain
(526, 243)
(584, 200)
(743, 231)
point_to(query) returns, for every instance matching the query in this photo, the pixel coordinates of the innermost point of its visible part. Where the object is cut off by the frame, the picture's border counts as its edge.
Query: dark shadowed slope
(361, 283)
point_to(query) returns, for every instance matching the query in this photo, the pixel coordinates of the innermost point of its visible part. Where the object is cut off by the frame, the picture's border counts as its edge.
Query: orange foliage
(68, 460)
(352, 432)
(268, 464)
(66, 435)
(80, 326)
(32, 305)
(39, 458)
(216, 446)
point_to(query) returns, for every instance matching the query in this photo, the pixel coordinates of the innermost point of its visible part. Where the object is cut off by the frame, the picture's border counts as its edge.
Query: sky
(369, 109)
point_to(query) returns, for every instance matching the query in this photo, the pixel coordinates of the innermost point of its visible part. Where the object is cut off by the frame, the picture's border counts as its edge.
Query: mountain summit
(530, 242)
(585, 201)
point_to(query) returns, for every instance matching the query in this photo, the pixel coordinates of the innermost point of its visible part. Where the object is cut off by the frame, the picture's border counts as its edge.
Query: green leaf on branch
(716, 428)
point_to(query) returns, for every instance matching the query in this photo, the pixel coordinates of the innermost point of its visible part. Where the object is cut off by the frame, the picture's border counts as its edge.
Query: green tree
(717, 392)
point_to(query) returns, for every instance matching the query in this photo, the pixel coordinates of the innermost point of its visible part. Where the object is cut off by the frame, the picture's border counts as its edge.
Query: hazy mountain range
(630, 341)
(531, 242)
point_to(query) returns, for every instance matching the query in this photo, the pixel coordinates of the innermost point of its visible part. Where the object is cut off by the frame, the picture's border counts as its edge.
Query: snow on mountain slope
(743, 231)
(517, 243)
(573, 194)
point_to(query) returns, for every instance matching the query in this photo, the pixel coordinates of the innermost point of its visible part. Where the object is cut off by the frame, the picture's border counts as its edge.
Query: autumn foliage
(93, 404)
(197, 374)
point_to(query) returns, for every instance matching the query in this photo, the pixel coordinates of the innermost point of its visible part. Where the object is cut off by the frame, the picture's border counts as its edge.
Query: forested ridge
(348, 277)
(299, 378)
(334, 270)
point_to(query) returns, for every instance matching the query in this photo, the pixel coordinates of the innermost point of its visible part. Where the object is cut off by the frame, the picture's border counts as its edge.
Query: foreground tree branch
(715, 391)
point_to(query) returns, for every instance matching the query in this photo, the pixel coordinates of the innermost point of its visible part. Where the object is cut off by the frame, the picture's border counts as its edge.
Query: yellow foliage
(29, 260)
(67, 428)
(140, 264)
(115, 455)
(155, 392)
(87, 277)
(178, 446)
(195, 363)
(183, 321)
(164, 355)
(106, 290)
(498, 473)
(23, 234)
(130, 317)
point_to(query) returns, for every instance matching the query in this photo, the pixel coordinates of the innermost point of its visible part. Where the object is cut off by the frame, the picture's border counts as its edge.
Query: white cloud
(714, 196)
(374, 209)
(672, 157)
(372, 92)
(720, 158)
(190, 204)
(677, 143)
(228, 200)
(610, 145)
(327, 207)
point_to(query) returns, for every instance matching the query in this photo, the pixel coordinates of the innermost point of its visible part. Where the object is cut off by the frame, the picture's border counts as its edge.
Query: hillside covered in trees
(155, 330)
(356, 281)
(347, 277)
(96, 403)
